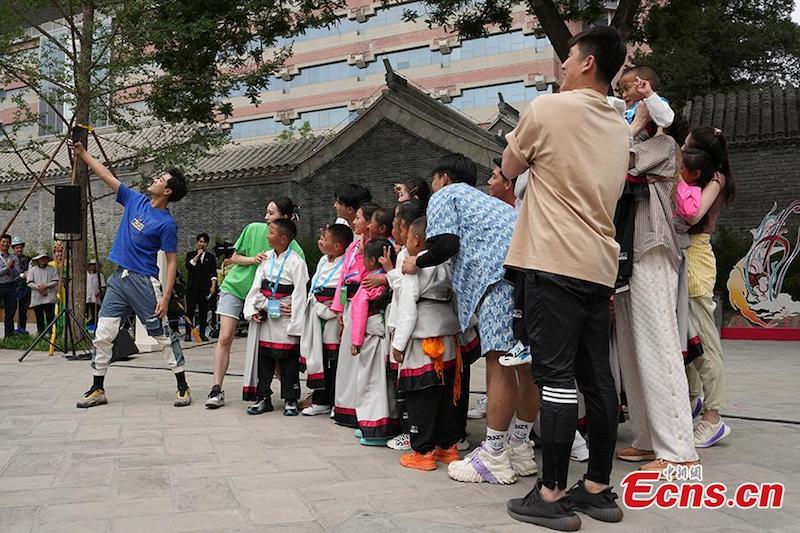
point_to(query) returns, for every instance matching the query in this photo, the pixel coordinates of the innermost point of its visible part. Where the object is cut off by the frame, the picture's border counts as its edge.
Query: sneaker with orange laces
(659, 465)
(446, 455)
(418, 461)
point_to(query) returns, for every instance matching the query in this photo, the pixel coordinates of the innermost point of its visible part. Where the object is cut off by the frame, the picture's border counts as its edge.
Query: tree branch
(24, 163)
(553, 25)
(42, 31)
(66, 17)
(625, 16)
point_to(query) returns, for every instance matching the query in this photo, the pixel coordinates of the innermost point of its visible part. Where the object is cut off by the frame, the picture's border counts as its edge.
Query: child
(405, 214)
(381, 223)
(425, 346)
(350, 278)
(275, 305)
(348, 198)
(319, 344)
(639, 84)
(706, 374)
(370, 346)
(43, 281)
(95, 283)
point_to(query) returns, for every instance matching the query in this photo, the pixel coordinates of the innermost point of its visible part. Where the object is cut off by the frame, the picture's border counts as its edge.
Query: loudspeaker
(68, 209)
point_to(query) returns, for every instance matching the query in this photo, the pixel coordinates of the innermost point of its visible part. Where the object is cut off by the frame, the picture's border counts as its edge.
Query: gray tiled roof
(750, 116)
(259, 158)
(119, 146)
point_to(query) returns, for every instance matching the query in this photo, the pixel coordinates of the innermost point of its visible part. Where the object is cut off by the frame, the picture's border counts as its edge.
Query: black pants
(289, 372)
(45, 314)
(199, 301)
(22, 309)
(463, 402)
(8, 293)
(433, 418)
(325, 396)
(92, 312)
(567, 324)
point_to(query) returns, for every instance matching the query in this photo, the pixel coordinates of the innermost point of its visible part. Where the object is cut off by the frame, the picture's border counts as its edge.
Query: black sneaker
(533, 509)
(290, 409)
(263, 405)
(216, 398)
(600, 506)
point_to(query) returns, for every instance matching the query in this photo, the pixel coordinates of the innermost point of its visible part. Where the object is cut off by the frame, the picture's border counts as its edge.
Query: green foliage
(23, 342)
(311, 251)
(702, 46)
(206, 48)
(304, 132)
(729, 247)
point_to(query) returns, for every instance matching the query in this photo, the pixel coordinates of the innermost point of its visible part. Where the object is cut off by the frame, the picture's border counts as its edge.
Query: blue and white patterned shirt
(484, 226)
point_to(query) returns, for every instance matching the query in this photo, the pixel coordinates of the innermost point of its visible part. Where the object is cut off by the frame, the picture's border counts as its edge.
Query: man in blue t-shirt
(146, 227)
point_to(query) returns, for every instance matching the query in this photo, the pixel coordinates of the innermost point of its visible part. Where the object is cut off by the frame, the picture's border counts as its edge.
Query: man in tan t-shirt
(576, 146)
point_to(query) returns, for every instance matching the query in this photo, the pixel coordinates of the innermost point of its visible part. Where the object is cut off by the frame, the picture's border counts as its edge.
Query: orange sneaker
(635, 455)
(446, 455)
(419, 461)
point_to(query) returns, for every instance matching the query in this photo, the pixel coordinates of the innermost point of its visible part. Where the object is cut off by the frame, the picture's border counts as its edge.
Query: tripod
(69, 316)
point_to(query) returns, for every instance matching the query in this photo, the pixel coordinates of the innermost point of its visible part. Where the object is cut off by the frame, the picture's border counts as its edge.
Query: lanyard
(352, 259)
(315, 287)
(280, 271)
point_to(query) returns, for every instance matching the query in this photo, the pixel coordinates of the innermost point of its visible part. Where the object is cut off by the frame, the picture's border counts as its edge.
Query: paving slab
(141, 465)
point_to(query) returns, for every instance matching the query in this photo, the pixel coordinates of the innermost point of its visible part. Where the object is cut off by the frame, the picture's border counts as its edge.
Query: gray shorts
(229, 305)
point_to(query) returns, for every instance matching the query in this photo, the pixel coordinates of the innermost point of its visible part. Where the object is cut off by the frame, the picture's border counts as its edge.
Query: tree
(85, 59)
(473, 18)
(702, 46)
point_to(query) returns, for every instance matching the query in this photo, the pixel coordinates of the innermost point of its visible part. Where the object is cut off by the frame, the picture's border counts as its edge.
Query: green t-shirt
(250, 243)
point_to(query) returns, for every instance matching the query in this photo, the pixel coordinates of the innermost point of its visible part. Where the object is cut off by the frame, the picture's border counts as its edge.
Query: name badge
(273, 308)
(343, 295)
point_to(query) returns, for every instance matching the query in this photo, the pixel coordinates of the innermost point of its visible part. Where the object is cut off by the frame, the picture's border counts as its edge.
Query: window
(513, 93)
(502, 43)
(319, 119)
(52, 65)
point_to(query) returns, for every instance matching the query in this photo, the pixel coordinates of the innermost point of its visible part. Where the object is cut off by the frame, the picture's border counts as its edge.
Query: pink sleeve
(359, 313)
(687, 199)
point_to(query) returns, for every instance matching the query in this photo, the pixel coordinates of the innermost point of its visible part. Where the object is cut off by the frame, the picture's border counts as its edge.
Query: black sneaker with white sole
(290, 408)
(533, 509)
(216, 398)
(601, 506)
(263, 405)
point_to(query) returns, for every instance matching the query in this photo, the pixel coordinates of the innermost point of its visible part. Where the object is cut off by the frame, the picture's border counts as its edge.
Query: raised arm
(97, 167)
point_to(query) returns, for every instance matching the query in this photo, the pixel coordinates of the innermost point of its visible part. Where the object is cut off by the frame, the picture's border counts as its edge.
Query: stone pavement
(139, 464)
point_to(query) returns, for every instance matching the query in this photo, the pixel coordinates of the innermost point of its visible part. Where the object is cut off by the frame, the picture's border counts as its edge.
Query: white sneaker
(479, 411)
(216, 398)
(523, 459)
(580, 452)
(518, 355)
(401, 443)
(463, 445)
(314, 410)
(707, 434)
(333, 413)
(480, 466)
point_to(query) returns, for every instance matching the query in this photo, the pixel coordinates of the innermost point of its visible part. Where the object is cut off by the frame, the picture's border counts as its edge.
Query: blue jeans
(129, 293)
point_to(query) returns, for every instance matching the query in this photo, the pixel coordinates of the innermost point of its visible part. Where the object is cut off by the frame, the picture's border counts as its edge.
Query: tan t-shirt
(577, 147)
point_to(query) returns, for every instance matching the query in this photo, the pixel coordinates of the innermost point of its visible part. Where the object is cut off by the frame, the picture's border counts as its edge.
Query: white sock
(520, 431)
(495, 440)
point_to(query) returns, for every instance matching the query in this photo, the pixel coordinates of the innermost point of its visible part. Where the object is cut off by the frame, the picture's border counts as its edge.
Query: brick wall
(764, 174)
(388, 154)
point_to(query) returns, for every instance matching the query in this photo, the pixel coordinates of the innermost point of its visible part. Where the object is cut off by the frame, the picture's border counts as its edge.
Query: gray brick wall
(764, 174)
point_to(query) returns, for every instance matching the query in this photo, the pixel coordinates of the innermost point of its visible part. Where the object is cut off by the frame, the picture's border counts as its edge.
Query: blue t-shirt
(484, 226)
(143, 231)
